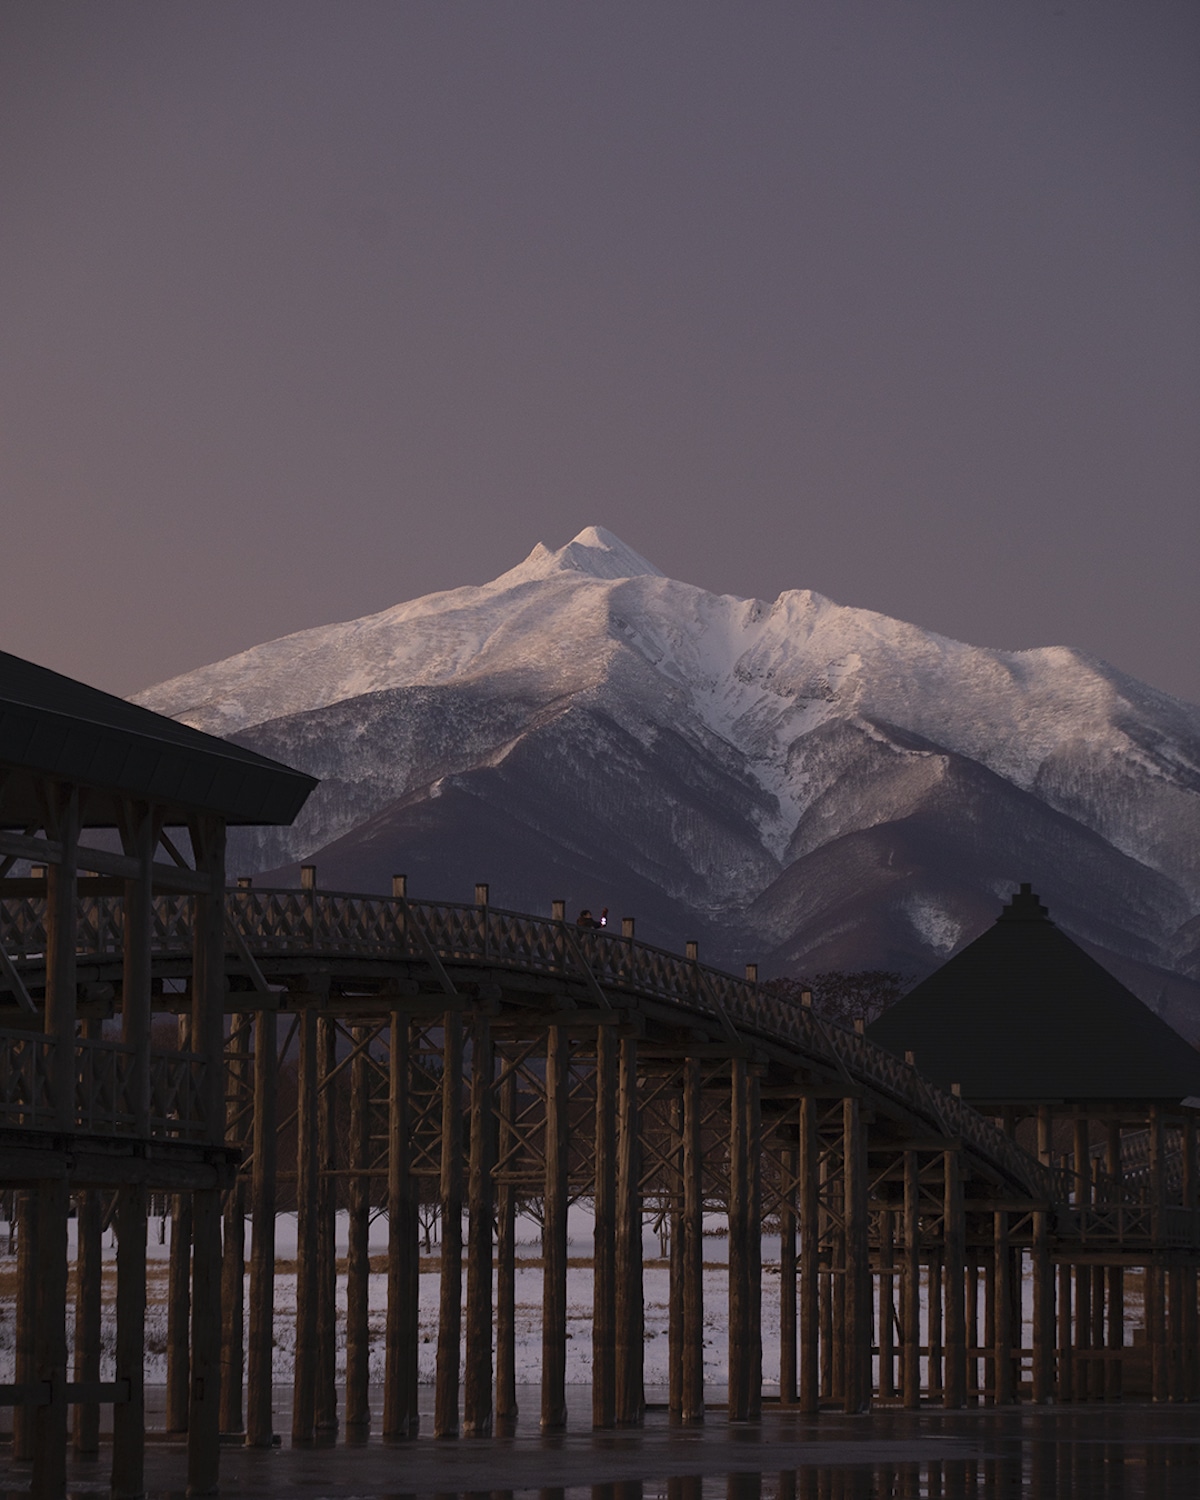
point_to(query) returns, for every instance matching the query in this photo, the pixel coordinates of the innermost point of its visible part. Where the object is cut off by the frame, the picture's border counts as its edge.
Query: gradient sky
(312, 308)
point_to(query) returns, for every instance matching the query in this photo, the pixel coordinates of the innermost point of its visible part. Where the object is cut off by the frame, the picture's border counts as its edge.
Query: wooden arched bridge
(380, 1054)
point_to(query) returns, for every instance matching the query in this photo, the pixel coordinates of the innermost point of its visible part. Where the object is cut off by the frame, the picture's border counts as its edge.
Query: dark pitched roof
(51, 725)
(1024, 1013)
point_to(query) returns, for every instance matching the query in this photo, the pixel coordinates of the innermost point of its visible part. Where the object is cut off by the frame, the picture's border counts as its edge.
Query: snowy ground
(529, 1295)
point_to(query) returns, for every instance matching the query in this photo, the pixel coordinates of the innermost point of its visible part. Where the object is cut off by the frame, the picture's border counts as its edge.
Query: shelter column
(400, 1419)
(259, 1419)
(631, 1403)
(857, 1317)
(445, 1414)
(604, 1286)
(910, 1287)
(307, 1160)
(477, 1397)
(955, 1393)
(554, 1234)
(506, 1257)
(358, 1262)
(1043, 1276)
(693, 1244)
(787, 1278)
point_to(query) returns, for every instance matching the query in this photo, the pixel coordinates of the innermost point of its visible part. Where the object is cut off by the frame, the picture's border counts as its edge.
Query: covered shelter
(90, 1108)
(1032, 1031)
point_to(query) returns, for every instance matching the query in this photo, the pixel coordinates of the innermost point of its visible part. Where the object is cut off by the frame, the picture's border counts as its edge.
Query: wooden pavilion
(1034, 1033)
(88, 1114)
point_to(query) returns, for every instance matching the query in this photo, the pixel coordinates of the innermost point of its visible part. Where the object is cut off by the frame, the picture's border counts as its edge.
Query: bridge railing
(277, 921)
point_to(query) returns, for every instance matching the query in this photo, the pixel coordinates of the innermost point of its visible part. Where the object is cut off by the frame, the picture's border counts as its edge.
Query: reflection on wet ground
(1085, 1453)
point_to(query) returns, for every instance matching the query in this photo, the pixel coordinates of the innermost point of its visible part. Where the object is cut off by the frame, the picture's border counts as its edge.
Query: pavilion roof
(1023, 1013)
(53, 726)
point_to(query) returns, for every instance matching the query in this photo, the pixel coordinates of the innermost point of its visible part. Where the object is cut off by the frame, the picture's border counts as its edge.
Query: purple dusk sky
(310, 308)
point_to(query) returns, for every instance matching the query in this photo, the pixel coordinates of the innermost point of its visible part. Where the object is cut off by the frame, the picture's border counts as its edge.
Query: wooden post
(259, 1418)
(400, 1418)
(129, 1417)
(910, 1287)
(445, 1412)
(754, 1152)
(1155, 1298)
(693, 1244)
(1083, 1274)
(604, 1283)
(676, 1268)
(554, 1234)
(506, 1259)
(810, 1256)
(1002, 1352)
(358, 1260)
(1043, 1277)
(936, 1366)
(740, 1231)
(955, 1393)
(787, 1278)
(50, 1342)
(973, 1388)
(28, 1270)
(88, 1283)
(304, 1387)
(179, 1296)
(1189, 1329)
(477, 1392)
(233, 1265)
(325, 1404)
(62, 893)
(208, 1041)
(857, 1394)
(887, 1304)
(631, 1401)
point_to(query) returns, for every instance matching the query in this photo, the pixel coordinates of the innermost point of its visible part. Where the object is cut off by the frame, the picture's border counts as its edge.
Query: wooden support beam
(446, 1383)
(887, 1304)
(26, 1316)
(304, 1386)
(259, 1417)
(506, 1260)
(934, 1283)
(954, 1395)
(88, 1285)
(129, 1417)
(325, 1399)
(693, 1245)
(631, 1400)
(856, 1395)
(787, 1276)
(233, 1266)
(1002, 1351)
(810, 1257)
(674, 1154)
(554, 1235)
(740, 1231)
(400, 1416)
(910, 1288)
(604, 1283)
(477, 1390)
(179, 1290)
(358, 1264)
(49, 1476)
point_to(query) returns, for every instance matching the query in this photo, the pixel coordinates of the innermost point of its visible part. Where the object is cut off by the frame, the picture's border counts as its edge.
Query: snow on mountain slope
(778, 727)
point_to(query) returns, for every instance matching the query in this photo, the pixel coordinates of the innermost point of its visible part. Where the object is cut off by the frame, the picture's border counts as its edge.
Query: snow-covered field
(529, 1301)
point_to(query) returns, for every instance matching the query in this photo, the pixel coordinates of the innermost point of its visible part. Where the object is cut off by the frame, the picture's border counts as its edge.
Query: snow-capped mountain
(796, 781)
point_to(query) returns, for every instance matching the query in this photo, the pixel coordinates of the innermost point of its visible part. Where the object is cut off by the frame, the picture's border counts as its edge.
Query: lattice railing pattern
(277, 922)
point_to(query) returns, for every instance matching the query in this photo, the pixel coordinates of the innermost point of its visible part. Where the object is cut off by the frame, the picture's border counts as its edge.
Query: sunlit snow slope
(795, 781)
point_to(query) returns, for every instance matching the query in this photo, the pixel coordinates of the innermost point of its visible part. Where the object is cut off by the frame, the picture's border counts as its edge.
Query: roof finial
(1025, 906)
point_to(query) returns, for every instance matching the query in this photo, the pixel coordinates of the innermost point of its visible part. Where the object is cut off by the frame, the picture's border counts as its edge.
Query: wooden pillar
(754, 1101)
(604, 1285)
(446, 1384)
(1002, 1353)
(1156, 1326)
(129, 1417)
(675, 1275)
(88, 1286)
(973, 1383)
(631, 1401)
(325, 1405)
(934, 1294)
(955, 1394)
(910, 1287)
(693, 1244)
(787, 1277)
(506, 1257)
(358, 1259)
(477, 1391)
(810, 1256)
(208, 1041)
(741, 1229)
(259, 1417)
(856, 1396)
(233, 1266)
(1044, 1381)
(554, 1234)
(887, 1306)
(179, 1293)
(1066, 1351)
(1083, 1273)
(28, 1270)
(62, 894)
(50, 1342)
(1116, 1277)
(304, 1388)
(400, 1418)
(1189, 1325)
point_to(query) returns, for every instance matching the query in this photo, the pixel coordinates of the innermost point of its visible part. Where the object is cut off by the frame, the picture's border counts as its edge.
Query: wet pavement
(1121, 1452)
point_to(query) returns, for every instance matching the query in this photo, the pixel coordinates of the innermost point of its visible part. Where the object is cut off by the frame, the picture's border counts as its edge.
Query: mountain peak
(594, 552)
